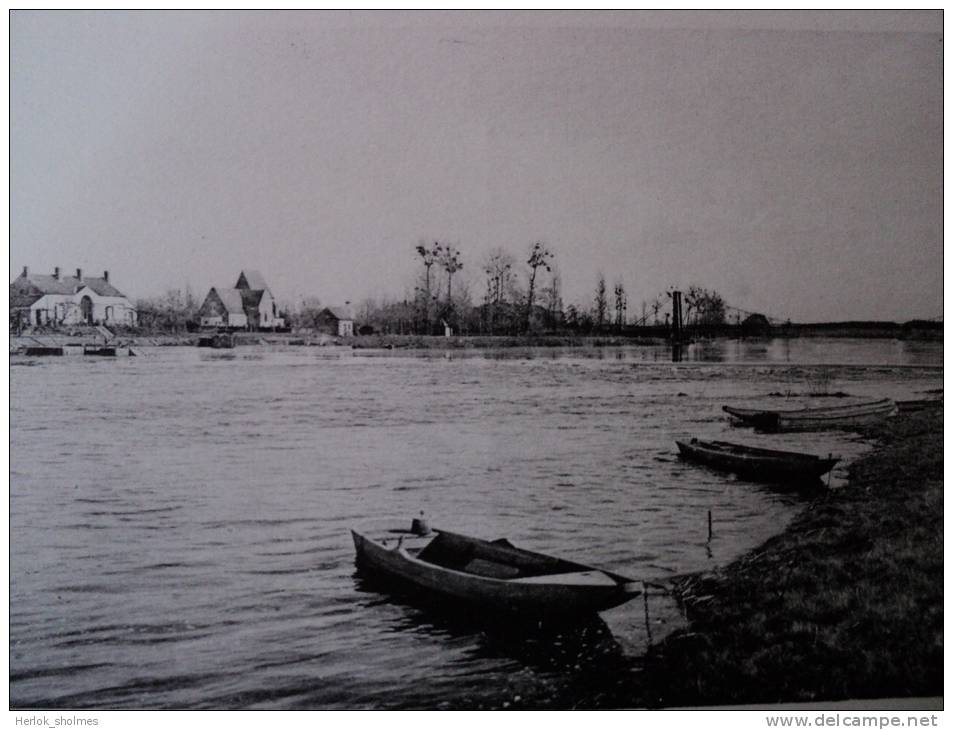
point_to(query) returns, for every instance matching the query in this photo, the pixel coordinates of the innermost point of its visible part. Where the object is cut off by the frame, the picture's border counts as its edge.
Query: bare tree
(429, 255)
(498, 267)
(572, 316)
(552, 295)
(499, 271)
(171, 312)
(601, 304)
(308, 315)
(621, 304)
(449, 259)
(539, 257)
(709, 306)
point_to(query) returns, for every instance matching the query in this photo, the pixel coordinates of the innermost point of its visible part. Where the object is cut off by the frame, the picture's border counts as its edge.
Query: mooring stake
(648, 628)
(709, 525)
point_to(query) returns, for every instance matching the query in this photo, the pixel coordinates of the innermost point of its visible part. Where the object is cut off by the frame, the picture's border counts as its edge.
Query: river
(179, 520)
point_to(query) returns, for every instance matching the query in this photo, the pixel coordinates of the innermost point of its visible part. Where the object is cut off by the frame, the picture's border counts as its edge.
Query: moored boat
(912, 406)
(808, 419)
(222, 340)
(757, 463)
(495, 575)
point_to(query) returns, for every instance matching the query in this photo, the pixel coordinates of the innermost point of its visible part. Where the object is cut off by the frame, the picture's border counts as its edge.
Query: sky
(791, 161)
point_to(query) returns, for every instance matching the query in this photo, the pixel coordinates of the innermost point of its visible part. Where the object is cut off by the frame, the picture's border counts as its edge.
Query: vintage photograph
(475, 360)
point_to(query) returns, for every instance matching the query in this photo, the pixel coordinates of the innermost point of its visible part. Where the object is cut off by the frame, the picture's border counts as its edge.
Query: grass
(496, 341)
(846, 603)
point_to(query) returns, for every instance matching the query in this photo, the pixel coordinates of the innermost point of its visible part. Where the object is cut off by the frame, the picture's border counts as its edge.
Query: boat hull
(758, 464)
(530, 597)
(814, 419)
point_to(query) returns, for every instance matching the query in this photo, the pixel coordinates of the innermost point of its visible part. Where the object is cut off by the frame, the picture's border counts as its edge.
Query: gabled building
(223, 308)
(335, 321)
(248, 305)
(39, 300)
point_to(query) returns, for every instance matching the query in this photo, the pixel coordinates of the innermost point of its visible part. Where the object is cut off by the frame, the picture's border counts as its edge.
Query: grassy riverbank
(362, 342)
(653, 336)
(846, 603)
(465, 342)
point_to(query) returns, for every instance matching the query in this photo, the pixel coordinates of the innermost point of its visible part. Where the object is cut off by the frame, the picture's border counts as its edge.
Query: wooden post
(677, 317)
(676, 326)
(648, 627)
(709, 525)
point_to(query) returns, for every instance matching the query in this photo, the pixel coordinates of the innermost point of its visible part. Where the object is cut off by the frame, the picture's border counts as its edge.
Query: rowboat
(809, 419)
(756, 463)
(220, 341)
(495, 575)
(915, 406)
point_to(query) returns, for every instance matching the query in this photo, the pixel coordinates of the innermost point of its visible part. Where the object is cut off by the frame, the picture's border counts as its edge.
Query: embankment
(847, 603)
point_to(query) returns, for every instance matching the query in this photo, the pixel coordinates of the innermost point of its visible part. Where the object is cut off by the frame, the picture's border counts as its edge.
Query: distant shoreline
(645, 336)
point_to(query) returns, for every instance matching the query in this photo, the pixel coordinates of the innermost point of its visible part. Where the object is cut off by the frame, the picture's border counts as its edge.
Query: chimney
(26, 272)
(106, 276)
(79, 274)
(56, 272)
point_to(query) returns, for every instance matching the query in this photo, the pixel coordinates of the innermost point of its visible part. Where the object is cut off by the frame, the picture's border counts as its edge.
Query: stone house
(38, 300)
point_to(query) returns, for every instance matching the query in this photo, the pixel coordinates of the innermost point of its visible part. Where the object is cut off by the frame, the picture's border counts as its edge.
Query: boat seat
(490, 569)
(590, 578)
(437, 553)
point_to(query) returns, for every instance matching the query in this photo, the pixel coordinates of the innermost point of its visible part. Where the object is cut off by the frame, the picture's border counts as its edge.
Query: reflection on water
(780, 350)
(179, 522)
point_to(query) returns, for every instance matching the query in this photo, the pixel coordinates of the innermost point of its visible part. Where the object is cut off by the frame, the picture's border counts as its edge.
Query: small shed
(336, 321)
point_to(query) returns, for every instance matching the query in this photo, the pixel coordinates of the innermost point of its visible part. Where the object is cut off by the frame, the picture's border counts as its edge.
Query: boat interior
(496, 559)
(741, 450)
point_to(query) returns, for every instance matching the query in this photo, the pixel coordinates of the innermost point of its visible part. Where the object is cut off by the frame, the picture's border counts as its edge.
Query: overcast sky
(791, 161)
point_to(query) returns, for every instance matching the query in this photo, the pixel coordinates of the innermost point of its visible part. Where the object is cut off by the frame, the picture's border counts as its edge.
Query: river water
(179, 520)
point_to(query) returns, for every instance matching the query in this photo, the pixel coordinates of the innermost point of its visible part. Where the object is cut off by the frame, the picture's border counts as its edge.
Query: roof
(251, 279)
(231, 299)
(49, 284)
(251, 297)
(340, 312)
(101, 286)
(23, 299)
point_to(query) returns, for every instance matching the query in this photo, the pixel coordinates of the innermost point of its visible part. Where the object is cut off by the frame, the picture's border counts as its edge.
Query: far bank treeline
(502, 294)
(507, 295)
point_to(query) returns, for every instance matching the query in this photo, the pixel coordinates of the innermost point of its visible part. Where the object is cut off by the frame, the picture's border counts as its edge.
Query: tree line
(514, 295)
(506, 294)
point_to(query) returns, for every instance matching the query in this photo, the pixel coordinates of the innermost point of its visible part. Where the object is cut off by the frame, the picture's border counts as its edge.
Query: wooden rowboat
(496, 575)
(810, 419)
(915, 406)
(756, 463)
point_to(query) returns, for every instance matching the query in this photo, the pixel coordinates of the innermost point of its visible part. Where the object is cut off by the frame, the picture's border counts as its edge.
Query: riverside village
(477, 361)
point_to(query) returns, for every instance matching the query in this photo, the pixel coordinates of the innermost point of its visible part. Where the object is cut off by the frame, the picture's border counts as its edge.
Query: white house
(51, 299)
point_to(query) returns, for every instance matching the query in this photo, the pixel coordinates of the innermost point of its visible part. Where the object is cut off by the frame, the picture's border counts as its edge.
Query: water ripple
(188, 547)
